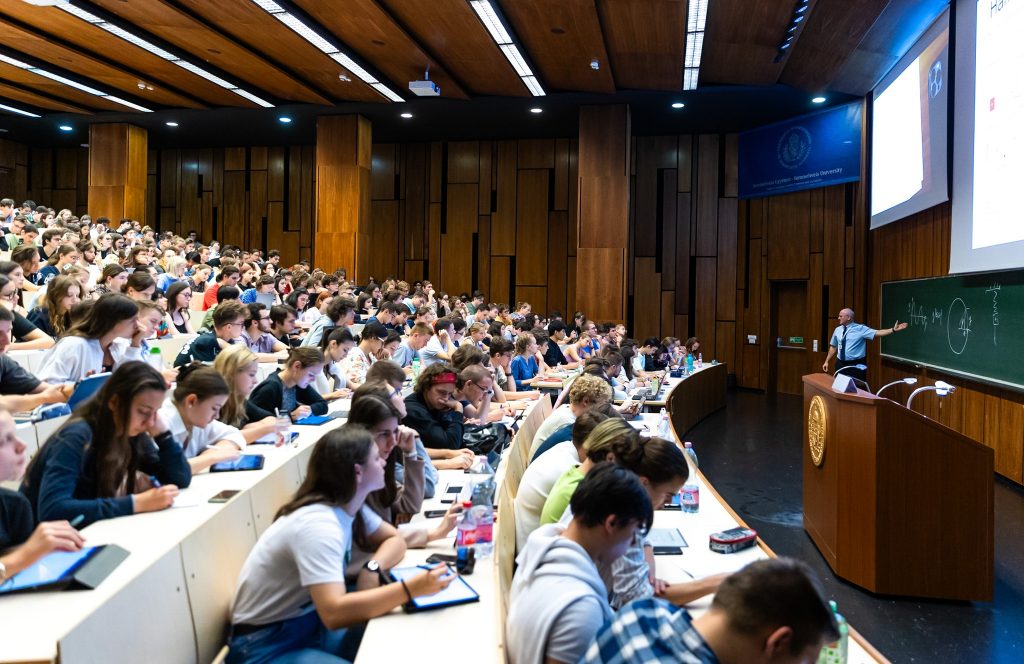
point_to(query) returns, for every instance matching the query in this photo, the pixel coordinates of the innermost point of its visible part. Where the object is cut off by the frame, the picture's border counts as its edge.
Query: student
(257, 336)
(474, 390)
(224, 294)
(391, 344)
(106, 337)
(439, 348)
(433, 411)
(179, 298)
(340, 312)
(64, 257)
(769, 611)
(140, 285)
(557, 339)
(111, 280)
(49, 243)
(644, 362)
(53, 317)
(27, 256)
(240, 369)
(500, 352)
(290, 391)
(410, 349)
(584, 393)
(524, 367)
(558, 602)
(114, 457)
(542, 473)
(20, 390)
(291, 591)
(263, 285)
(357, 363)
(229, 276)
(174, 273)
(228, 322)
(191, 418)
(331, 383)
(282, 324)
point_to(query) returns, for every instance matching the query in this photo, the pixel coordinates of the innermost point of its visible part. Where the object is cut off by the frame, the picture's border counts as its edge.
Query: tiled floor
(751, 453)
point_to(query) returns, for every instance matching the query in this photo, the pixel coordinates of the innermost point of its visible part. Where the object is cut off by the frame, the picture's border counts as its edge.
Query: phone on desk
(434, 514)
(436, 558)
(225, 495)
(452, 494)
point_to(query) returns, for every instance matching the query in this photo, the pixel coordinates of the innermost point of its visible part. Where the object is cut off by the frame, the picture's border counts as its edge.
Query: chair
(504, 561)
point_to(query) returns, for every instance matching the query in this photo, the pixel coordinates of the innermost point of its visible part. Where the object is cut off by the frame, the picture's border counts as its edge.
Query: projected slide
(898, 163)
(998, 131)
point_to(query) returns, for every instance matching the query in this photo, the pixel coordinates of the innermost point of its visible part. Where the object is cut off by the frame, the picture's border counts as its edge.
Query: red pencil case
(732, 540)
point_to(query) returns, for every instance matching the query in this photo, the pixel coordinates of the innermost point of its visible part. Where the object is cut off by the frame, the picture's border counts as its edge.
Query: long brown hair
(371, 405)
(331, 473)
(55, 292)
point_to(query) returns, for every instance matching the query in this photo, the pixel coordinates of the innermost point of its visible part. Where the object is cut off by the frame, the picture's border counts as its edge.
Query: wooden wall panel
(503, 220)
(456, 273)
(59, 177)
(791, 224)
(532, 228)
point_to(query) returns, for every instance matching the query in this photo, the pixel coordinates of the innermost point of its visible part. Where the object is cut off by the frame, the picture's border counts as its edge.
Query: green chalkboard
(969, 325)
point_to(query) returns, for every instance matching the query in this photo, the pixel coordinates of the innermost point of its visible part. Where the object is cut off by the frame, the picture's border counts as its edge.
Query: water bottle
(689, 363)
(690, 497)
(482, 505)
(465, 532)
(416, 366)
(155, 359)
(700, 359)
(836, 653)
(664, 430)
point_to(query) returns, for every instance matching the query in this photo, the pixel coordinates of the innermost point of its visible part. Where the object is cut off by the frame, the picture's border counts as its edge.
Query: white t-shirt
(428, 354)
(559, 418)
(307, 547)
(535, 486)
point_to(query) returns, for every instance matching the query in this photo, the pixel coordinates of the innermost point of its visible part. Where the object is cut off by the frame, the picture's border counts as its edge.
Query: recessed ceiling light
(172, 124)
(536, 110)
(66, 127)
(819, 100)
(406, 115)
(285, 119)
(678, 104)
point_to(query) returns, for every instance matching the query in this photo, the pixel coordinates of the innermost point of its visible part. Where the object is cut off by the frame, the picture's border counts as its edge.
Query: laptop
(266, 299)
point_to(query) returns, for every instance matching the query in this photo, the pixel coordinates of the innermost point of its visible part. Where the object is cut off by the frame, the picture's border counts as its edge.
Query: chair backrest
(505, 554)
(564, 394)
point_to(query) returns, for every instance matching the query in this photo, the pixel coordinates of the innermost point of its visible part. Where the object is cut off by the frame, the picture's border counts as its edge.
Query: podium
(897, 503)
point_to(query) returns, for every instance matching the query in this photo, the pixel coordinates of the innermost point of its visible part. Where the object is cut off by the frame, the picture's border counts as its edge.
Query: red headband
(442, 378)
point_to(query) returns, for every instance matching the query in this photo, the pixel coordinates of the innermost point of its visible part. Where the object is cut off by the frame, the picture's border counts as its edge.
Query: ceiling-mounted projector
(424, 89)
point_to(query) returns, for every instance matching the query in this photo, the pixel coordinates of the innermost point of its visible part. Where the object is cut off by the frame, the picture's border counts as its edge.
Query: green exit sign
(796, 340)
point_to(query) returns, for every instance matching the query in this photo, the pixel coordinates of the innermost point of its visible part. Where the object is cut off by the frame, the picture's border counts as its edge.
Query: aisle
(751, 453)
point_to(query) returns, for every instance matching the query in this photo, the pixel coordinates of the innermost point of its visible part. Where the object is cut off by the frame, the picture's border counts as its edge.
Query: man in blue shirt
(771, 610)
(849, 344)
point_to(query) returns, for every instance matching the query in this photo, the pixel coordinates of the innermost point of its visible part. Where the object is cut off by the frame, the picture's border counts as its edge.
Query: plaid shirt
(649, 630)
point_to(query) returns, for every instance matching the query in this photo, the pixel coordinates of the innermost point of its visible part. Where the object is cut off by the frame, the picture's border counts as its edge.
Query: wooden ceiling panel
(191, 36)
(372, 33)
(250, 25)
(835, 28)
(451, 30)
(107, 78)
(16, 94)
(26, 79)
(98, 42)
(741, 39)
(646, 40)
(562, 37)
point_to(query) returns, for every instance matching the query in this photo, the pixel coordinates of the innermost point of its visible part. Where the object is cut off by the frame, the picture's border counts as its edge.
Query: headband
(443, 378)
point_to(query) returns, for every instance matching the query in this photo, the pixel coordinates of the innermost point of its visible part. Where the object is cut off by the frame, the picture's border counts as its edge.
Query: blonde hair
(590, 388)
(229, 364)
(614, 435)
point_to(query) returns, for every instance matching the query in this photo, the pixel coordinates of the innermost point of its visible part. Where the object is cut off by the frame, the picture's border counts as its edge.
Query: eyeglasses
(13, 295)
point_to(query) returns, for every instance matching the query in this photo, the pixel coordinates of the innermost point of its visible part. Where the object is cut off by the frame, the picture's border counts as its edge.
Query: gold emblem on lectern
(816, 429)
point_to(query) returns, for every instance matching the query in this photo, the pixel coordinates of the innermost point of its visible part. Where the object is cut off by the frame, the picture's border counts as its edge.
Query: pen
(77, 520)
(155, 482)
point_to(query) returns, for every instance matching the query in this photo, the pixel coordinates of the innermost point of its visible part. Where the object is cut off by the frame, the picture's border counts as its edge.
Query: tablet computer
(271, 438)
(244, 462)
(313, 420)
(86, 388)
(66, 569)
(457, 592)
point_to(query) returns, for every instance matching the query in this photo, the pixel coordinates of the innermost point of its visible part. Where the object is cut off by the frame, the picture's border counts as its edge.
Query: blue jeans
(301, 640)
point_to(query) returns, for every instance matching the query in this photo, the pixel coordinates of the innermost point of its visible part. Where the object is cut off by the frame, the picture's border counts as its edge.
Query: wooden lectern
(896, 503)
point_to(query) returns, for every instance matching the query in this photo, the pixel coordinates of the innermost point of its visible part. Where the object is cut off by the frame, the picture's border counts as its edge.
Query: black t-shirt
(16, 521)
(553, 356)
(203, 348)
(14, 379)
(21, 327)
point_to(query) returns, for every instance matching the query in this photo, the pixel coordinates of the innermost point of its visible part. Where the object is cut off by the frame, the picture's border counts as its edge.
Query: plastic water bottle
(664, 430)
(465, 532)
(155, 358)
(700, 359)
(482, 505)
(689, 363)
(416, 366)
(690, 497)
(836, 653)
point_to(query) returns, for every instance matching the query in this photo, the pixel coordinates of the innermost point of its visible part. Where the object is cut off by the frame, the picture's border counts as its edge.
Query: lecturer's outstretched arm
(891, 330)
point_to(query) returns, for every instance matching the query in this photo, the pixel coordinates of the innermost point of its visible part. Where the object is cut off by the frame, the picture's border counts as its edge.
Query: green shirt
(561, 494)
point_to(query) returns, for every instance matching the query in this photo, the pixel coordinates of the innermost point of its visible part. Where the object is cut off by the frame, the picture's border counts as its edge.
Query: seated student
(25, 335)
(191, 417)
(53, 317)
(263, 285)
(469, 355)
(433, 411)
(409, 349)
(616, 378)
(542, 473)
(27, 256)
(340, 312)
(771, 610)
(97, 464)
(360, 359)
(668, 353)
(385, 314)
(691, 347)
(224, 294)
(607, 442)
(140, 285)
(589, 344)
(558, 602)
(439, 348)
(291, 591)
(174, 273)
(228, 323)
(106, 337)
(585, 392)
(112, 279)
(557, 338)
(229, 276)
(399, 320)
(644, 363)
(391, 344)
(20, 391)
(282, 324)
(318, 308)
(500, 352)
(257, 336)
(22, 543)
(477, 334)
(475, 390)
(65, 256)
(331, 383)
(239, 368)
(179, 298)
(290, 391)
(524, 368)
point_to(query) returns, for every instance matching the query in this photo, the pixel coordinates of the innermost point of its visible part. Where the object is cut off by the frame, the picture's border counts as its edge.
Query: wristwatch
(374, 567)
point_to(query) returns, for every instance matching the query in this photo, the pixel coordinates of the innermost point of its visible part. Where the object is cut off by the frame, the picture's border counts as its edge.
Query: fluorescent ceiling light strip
(307, 33)
(80, 13)
(16, 63)
(690, 76)
(694, 47)
(697, 15)
(491, 21)
(269, 6)
(349, 64)
(135, 40)
(19, 111)
(386, 91)
(66, 81)
(251, 97)
(516, 59)
(199, 71)
(125, 102)
(534, 86)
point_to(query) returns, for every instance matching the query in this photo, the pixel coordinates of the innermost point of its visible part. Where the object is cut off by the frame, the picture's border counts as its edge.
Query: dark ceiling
(841, 49)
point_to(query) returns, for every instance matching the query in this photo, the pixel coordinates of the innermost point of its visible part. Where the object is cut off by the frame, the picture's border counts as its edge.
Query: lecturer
(849, 341)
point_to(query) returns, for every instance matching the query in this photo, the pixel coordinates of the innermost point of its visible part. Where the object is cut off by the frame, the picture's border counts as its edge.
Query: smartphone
(453, 489)
(668, 551)
(674, 505)
(436, 558)
(435, 514)
(225, 495)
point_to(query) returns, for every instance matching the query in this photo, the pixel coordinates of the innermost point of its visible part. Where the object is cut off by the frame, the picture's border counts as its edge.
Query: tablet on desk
(313, 420)
(457, 592)
(86, 388)
(244, 462)
(67, 569)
